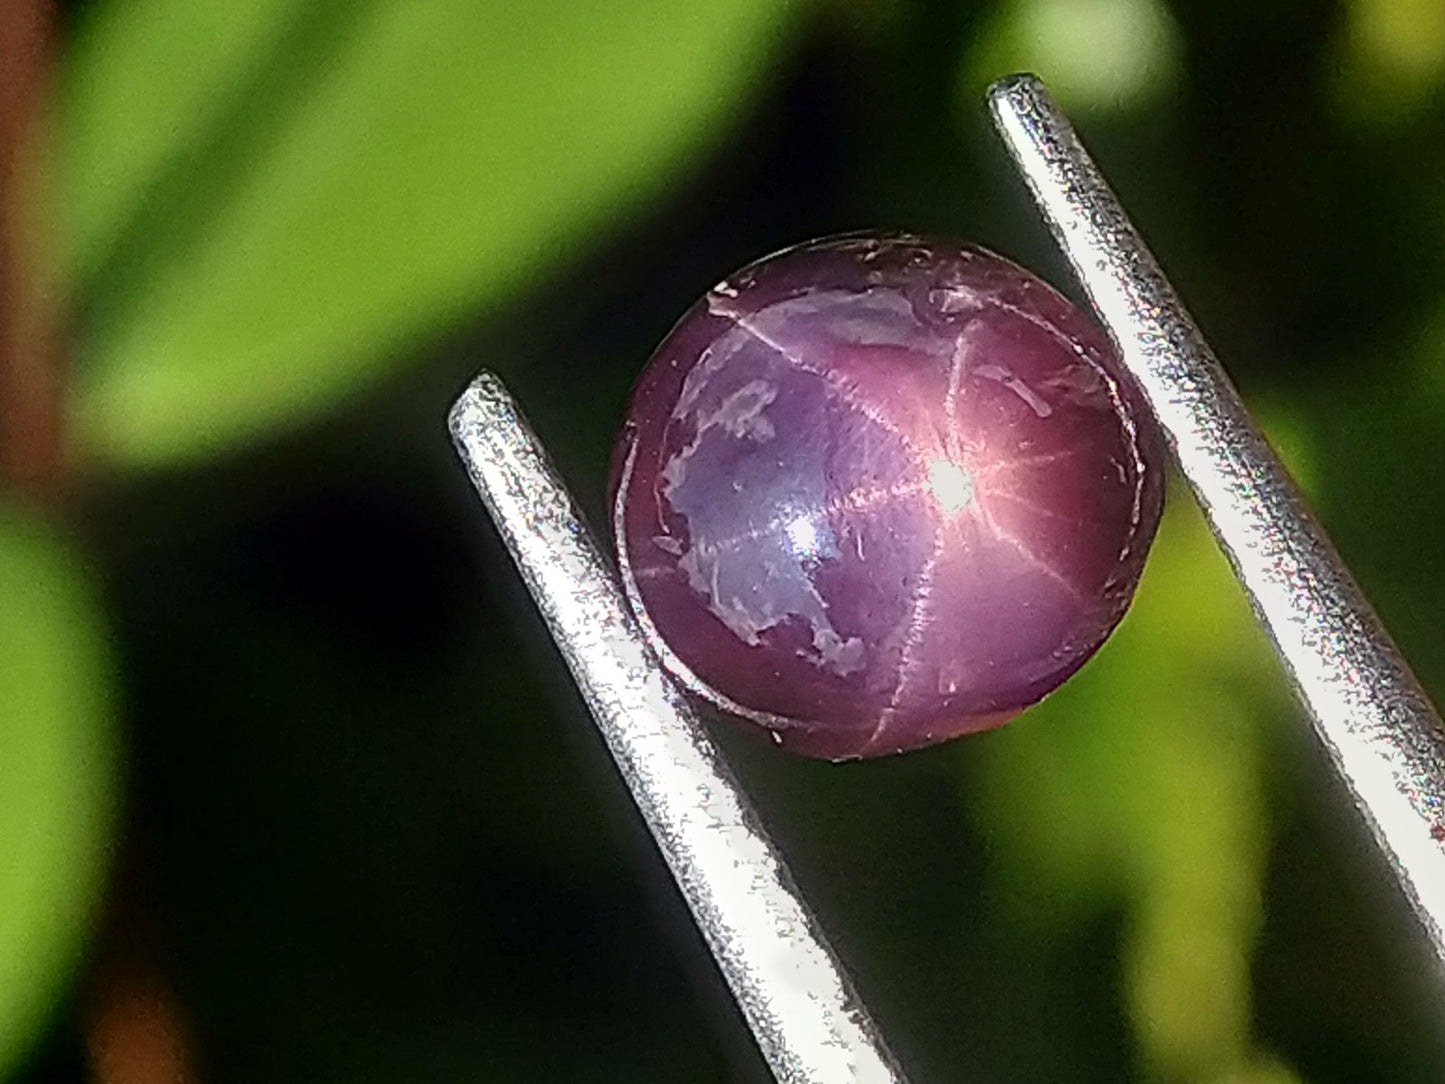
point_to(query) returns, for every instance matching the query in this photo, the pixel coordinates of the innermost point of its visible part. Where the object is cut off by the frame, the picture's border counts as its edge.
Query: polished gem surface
(877, 491)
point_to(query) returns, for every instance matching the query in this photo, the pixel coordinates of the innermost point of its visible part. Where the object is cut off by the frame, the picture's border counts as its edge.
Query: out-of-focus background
(292, 786)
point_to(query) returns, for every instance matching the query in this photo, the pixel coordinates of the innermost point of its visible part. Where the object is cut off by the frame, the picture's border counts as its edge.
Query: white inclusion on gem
(1018, 387)
(950, 484)
(741, 413)
(728, 351)
(836, 653)
(869, 317)
(745, 490)
(1080, 385)
(750, 599)
(956, 298)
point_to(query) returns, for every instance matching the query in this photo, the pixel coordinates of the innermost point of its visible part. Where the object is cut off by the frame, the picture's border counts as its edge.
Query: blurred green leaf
(400, 166)
(56, 774)
(1141, 783)
(143, 82)
(1094, 54)
(1388, 58)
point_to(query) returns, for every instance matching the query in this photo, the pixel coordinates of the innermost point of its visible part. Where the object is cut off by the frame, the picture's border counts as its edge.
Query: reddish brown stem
(134, 1030)
(133, 1023)
(32, 460)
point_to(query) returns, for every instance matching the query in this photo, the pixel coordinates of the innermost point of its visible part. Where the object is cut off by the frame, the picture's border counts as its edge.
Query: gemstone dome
(877, 491)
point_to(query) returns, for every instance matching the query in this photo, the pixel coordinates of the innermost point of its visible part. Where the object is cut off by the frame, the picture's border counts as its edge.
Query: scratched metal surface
(1373, 718)
(799, 1003)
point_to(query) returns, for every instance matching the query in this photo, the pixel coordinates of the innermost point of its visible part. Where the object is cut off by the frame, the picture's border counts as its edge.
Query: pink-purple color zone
(875, 492)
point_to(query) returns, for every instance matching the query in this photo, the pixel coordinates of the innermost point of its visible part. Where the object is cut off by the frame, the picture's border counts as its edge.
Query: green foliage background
(294, 671)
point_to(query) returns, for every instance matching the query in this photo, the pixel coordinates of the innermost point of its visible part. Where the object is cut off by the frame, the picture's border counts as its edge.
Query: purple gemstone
(874, 492)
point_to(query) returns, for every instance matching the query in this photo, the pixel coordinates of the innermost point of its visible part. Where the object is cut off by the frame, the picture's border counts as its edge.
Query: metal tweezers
(1370, 714)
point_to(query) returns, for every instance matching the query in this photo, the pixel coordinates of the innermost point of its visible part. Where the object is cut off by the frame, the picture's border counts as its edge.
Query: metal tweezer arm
(810, 1025)
(1373, 719)
(1371, 715)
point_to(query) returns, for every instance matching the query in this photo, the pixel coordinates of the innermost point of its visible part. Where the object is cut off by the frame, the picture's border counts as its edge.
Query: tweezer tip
(485, 387)
(1014, 86)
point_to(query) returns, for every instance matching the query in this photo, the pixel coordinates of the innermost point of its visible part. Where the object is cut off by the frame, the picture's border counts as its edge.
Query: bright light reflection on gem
(952, 487)
(803, 534)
